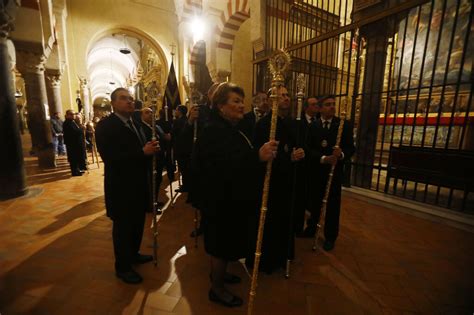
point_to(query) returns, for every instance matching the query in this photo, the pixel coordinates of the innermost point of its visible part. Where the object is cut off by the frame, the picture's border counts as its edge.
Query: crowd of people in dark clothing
(69, 138)
(221, 153)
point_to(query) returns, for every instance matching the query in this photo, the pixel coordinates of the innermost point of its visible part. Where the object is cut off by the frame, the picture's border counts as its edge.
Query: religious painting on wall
(434, 52)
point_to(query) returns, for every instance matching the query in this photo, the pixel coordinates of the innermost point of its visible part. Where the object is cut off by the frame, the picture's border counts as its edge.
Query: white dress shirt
(328, 127)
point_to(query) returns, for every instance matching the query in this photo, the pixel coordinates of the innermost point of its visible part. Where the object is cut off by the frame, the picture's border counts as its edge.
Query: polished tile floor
(56, 258)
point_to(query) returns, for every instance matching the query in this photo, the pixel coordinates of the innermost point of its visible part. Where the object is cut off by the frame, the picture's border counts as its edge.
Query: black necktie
(311, 120)
(326, 124)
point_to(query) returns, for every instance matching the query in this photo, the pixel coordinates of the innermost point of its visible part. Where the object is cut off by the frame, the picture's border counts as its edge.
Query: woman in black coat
(226, 164)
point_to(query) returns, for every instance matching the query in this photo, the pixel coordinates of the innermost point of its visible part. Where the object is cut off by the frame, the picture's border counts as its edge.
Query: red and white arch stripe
(191, 8)
(236, 12)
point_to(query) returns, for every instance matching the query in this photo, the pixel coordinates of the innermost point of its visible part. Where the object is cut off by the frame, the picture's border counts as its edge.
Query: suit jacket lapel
(334, 125)
(120, 123)
(318, 123)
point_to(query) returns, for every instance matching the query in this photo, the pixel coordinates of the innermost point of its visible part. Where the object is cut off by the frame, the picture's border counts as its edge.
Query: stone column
(12, 170)
(31, 66)
(376, 36)
(53, 88)
(85, 97)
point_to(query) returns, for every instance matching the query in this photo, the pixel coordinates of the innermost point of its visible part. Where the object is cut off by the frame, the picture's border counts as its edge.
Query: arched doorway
(124, 57)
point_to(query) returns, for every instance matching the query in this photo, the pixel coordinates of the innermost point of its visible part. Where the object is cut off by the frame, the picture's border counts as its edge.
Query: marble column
(12, 170)
(31, 66)
(376, 36)
(53, 88)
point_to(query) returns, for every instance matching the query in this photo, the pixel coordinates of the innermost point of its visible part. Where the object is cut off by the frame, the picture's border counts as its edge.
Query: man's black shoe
(328, 245)
(131, 276)
(142, 259)
(77, 174)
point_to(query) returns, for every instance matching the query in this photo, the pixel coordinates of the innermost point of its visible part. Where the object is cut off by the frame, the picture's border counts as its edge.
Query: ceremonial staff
(84, 133)
(170, 177)
(322, 215)
(277, 65)
(195, 132)
(300, 86)
(153, 185)
(94, 145)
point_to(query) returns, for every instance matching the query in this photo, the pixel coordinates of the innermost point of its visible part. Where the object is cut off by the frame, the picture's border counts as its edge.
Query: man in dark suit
(278, 241)
(126, 155)
(321, 141)
(199, 114)
(178, 145)
(75, 144)
(58, 137)
(305, 182)
(166, 160)
(260, 107)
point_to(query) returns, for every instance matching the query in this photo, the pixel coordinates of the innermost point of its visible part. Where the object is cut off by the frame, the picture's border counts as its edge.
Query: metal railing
(405, 74)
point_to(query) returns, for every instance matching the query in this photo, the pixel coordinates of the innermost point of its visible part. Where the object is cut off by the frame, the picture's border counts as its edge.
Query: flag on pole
(172, 98)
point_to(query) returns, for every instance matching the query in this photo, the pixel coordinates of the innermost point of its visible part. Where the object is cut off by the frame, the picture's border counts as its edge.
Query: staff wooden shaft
(278, 64)
(196, 215)
(322, 215)
(153, 188)
(263, 209)
(291, 221)
(94, 146)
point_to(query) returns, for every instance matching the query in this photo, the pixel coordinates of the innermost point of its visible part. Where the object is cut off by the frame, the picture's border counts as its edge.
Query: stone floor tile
(57, 258)
(161, 301)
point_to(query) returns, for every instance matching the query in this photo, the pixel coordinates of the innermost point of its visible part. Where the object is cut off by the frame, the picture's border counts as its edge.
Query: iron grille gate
(405, 77)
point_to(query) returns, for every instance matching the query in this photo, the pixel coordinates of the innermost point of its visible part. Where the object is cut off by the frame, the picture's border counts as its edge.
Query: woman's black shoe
(236, 301)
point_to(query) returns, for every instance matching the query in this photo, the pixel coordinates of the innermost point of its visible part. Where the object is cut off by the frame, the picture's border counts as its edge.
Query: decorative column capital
(7, 13)
(53, 77)
(30, 62)
(219, 76)
(83, 82)
(54, 80)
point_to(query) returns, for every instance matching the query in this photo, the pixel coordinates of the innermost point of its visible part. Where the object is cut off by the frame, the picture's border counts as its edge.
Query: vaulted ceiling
(107, 67)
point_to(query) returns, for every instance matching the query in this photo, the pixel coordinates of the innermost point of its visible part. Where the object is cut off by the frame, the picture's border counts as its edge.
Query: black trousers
(127, 236)
(183, 165)
(301, 205)
(159, 173)
(74, 168)
(77, 160)
(333, 209)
